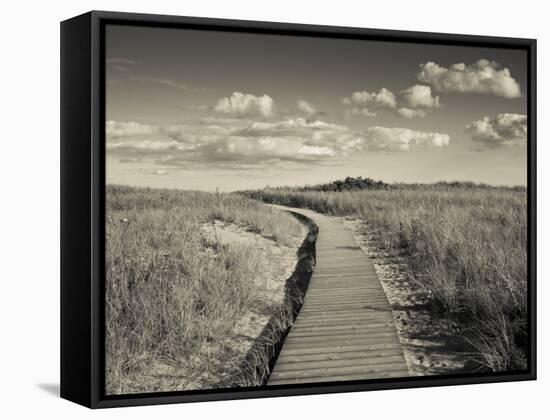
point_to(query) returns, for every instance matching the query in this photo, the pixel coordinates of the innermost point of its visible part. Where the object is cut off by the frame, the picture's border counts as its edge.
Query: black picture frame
(83, 199)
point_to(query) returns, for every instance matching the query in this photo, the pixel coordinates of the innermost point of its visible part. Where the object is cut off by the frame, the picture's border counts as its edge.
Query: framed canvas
(255, 209)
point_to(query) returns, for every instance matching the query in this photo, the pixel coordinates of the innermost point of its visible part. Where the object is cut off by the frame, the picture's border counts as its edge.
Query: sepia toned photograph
(284, 210)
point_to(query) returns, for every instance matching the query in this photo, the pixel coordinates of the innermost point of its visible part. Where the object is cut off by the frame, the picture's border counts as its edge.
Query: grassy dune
(173, 294)
(465, 247)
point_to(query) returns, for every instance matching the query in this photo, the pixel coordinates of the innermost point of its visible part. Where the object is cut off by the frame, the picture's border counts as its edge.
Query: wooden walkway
(344, 330)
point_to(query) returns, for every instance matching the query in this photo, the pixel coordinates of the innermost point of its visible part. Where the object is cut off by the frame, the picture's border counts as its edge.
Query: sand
(278, 264)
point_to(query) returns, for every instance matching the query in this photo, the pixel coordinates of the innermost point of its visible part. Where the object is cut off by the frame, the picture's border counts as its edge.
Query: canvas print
(287, 210)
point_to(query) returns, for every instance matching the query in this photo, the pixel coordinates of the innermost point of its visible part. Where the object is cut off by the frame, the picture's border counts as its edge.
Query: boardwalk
(345, 330)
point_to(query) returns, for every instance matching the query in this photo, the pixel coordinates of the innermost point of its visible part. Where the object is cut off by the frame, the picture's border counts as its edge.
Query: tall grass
(465, 247)
(173, 294)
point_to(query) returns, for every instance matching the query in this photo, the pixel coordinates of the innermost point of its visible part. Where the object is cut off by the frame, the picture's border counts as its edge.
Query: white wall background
(29, 156)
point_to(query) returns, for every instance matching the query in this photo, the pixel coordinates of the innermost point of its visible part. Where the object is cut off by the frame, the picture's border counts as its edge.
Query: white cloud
(193, 135)
(120, 60)
(364, 112)
(291, 126)
(504, 129)
(402, 139)
(383, 99)
(291, 140)
(364, 102)
(145, 146)
(225, 121)
(246, 105)
(420, 96)
(169, 83)
(285, 148)
(296, 140)
(120, 63)
(306, 107)
(165, 82)
(411, 113)
(116, 129)
(483, 76)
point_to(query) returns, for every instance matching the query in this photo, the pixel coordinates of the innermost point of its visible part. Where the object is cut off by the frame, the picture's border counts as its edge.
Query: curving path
(344, 330)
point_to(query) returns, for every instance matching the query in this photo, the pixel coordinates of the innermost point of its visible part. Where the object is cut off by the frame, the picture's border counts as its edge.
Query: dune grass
(173, 294)
(465, 248)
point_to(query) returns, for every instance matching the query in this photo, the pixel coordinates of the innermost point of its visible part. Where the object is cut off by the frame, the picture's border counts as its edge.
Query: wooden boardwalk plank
(339, 378)
(355, 320)
(367, 338)
(345, 329)
(369, 367)
(379, 336)
(337, 356)
(355, 306)
(321, 364)
(326, 335)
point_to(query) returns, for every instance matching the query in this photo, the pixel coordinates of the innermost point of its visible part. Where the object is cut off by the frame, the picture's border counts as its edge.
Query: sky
(201, 110)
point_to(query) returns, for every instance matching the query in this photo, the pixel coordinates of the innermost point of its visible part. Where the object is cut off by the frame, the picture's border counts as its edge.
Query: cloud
(120, 60)
(365, 112)
(196, 134)
(246, 105)
(291, 140)
(420, 96)
(504, 129)
(169, 83)
(259, 144)
(115, 129)
(296, 140)
(315, 133)
(305, 107)
(403, 139)
(411, 113)
(120, 63)
(224, 121)
(221, 150)
(133, 148)
(264, 148)
(483, 76)
(290, 127)
(165, 82)
(363, 102)
(129, 160)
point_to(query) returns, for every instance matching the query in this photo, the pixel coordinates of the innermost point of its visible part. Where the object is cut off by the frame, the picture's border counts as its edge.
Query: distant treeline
(348, 184)
(360, 183)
